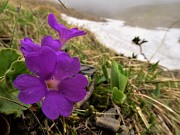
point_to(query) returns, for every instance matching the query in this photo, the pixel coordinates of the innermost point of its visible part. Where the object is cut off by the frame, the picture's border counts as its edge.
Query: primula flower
(57, 82)
(64, 33)
(28, 46)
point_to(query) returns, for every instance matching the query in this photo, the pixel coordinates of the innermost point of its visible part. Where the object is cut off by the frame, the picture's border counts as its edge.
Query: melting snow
(163, 45)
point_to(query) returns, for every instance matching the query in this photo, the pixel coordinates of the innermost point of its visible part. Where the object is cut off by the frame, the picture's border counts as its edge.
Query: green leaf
(2, 8)
(114, 75)
(118, 96)
(121, 69)
(157, 91)
(100, 79)
(122, 82)
(154, 76)
(117, 78)
(8, 107)
(151, 71)
(17, 68)
(9, 103)
(153, 68)
(105, 72)
(7, 56)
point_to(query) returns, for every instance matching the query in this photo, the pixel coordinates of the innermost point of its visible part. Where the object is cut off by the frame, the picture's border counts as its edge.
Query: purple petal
(64, 33)
(32, 89)
(74, 88)
(53, 44)
(53, 22)
(55, 104)
(28, 46)
(42, 63)
(74, 32)
(66, 66)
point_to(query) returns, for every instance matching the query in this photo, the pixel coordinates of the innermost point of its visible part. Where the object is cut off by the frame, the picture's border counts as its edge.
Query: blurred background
(144, 13)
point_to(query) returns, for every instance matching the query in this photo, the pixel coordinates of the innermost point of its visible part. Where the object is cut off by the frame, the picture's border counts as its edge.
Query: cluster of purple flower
(55, 78)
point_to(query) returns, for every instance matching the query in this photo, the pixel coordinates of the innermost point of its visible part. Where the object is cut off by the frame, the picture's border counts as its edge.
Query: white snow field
(163, 44)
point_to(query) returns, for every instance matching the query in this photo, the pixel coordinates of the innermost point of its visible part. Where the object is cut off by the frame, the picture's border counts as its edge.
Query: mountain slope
(150, 16)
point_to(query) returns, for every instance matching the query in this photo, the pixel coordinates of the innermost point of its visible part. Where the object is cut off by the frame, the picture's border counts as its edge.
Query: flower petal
(74, 32)
(42, 63)
(53, 23)
(66, 66)
(64, 33)
(28, 46)
(55, 104)
(32, 89)
(74, 88)
(53, 44)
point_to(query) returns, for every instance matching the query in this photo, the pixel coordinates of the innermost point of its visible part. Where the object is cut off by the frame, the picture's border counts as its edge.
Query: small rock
(108, 123)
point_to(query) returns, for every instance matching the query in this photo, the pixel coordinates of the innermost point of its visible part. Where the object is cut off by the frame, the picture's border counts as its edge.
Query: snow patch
(162, 43)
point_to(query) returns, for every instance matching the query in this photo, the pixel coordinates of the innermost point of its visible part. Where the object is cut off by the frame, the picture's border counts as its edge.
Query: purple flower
(57, 82)
(28, 46)
(64, 33)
